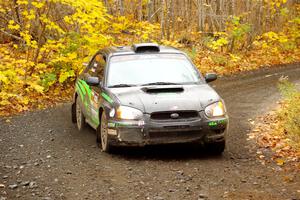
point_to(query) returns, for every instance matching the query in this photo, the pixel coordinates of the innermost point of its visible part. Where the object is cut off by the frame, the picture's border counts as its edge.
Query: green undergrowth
(289, 114)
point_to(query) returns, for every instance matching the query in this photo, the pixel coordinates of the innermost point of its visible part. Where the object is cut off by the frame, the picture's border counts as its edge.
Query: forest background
(43, 43)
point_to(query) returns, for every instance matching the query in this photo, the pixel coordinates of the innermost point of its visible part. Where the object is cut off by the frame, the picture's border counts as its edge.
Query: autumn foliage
(44, 43)
(279, 131)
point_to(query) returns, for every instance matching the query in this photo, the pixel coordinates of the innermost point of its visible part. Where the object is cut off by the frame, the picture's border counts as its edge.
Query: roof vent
(145, 47)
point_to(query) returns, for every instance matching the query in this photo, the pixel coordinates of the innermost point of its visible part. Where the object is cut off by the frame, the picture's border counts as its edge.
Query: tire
(102, 136)
(80, 119)
(73, 113)
(216, 148)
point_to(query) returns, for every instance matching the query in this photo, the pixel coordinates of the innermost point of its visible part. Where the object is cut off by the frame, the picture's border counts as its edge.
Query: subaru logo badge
(174, 115)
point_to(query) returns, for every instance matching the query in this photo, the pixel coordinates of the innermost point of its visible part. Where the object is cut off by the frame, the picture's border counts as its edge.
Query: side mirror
(93, 81)
(209, 77)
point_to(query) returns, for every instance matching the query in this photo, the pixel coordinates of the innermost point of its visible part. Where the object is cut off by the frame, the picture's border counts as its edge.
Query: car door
(83, 90)
(96, 70)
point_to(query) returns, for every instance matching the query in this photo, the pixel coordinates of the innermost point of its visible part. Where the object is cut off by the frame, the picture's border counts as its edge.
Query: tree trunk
(172, 16)
(168, 19)
(121, 7)
(140, 10)
(17, 11)
(201, 15)
(150, 10)
(162, 18)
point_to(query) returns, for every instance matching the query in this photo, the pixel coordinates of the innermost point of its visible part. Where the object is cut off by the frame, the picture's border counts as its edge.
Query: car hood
(165, 98)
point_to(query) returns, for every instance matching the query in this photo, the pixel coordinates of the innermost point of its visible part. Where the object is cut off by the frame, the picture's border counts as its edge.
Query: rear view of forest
(43, 43)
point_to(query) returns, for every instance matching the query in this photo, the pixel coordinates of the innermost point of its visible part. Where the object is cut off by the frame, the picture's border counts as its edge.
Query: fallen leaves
(280, 162)
(272, 143)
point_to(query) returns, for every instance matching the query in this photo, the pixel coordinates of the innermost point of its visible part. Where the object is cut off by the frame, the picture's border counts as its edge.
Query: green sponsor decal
(212, 124)
(106, 97)
(223, 121)
(120, 124)
(79, 91)
(83, 88)
(216, 123)
(95, 116)
(86, 87)
(111, 124)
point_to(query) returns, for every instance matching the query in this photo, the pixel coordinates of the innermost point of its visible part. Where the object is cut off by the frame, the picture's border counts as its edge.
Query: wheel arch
(101, 110)
(73, 107)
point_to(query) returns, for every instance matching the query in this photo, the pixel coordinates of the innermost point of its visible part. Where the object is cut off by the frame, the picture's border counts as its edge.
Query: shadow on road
(167, 152)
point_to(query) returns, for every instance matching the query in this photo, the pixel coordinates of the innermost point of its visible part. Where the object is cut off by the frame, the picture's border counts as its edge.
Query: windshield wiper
(121, 85)
(160, 83)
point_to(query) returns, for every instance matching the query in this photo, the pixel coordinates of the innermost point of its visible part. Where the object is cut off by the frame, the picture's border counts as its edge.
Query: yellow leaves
(174, 43)
(28, 39)
(271, 35)
(36, 87)
(38, 4)
(3, 78)
(2, 10)
(52, 45)
(60, 52)
(26, 36)
(278, 4)
(68, 19)
(280, 162)
(50, 25)
(29, 15)
(22, 2)
(7, 75)
(12, 25)
(179, 19)
(65, 75)
(273, 5)
(234, 58)
(89, 16)
(68, 58)
(217, 44)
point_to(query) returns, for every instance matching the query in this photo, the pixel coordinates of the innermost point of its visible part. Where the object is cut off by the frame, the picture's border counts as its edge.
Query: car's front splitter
(140, 133)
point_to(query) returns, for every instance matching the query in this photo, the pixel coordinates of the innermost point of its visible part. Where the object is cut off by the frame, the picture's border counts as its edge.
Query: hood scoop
(154, 90)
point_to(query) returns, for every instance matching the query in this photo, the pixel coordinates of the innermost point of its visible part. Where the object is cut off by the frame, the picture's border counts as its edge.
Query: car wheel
(73, 113)
(105, 146)
(216, 148)
(80, 120)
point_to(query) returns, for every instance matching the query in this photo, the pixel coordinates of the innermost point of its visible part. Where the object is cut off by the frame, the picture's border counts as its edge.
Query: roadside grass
(279, 130)
(289, 114)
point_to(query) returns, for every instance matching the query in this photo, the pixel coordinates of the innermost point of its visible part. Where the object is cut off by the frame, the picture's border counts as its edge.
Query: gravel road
(43, 156)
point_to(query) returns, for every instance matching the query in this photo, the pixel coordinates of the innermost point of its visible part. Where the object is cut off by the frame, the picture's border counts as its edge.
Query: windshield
(151, 69)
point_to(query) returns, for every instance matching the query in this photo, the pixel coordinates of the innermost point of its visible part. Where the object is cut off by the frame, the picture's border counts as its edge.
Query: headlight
(112, 112)
(125, 112)
(215, 110)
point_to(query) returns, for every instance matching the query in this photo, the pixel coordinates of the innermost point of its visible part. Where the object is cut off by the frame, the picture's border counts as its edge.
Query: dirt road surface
(43, 156)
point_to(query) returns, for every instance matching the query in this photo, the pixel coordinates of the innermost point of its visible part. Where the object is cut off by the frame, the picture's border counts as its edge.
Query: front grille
(173, 134)
(168, 115)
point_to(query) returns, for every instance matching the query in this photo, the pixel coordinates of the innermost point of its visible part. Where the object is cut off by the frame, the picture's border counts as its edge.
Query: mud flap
(73, 112)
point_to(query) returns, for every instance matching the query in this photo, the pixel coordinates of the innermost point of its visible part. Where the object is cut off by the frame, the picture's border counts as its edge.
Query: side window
(96, 67)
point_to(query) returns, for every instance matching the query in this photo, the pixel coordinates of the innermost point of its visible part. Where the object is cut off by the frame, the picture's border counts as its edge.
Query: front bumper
(147, 131)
